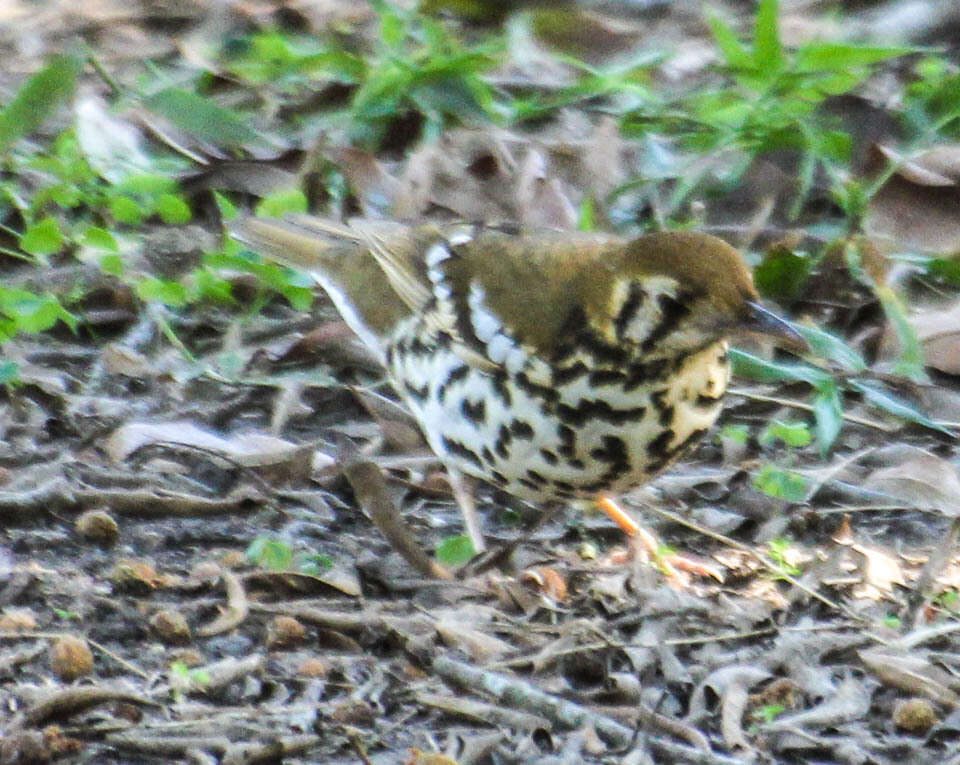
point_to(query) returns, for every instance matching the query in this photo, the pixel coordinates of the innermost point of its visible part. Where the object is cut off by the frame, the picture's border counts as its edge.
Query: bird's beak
(763, 322)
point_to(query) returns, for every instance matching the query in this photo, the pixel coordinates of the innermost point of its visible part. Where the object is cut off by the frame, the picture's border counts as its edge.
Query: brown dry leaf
(418, 757)
(938, 331)
(881, 571)
(603, 158)
(912, 673)
(547, 581)
(119, 360)
(468, 172)
(850, 702)
(254, 450)
(138, 576)
(923, 480)
(732, 684)
(258, 177)
(917, 207)
(477, 643)
(586, 34)
(767, 591)
(541, 201)
(17, 620)
(374, 187)
(71, 658)
(342, 578)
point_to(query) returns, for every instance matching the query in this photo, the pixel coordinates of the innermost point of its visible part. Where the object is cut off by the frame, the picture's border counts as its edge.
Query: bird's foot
(644, 544)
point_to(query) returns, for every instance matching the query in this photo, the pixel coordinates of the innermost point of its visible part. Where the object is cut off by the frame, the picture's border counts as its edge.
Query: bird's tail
(301, 242)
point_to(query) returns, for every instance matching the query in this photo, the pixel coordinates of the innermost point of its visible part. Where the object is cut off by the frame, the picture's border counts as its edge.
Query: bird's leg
(463, 494)
(670, 563)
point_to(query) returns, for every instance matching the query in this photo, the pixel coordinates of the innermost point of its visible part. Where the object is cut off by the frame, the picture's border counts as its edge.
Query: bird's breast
(547, 432)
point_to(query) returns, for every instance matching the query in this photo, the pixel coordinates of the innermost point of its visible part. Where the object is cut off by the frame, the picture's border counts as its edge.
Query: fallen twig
(562, 713)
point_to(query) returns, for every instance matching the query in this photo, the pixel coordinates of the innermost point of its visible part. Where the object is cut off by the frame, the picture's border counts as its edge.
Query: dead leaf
(917, 207)
(547, 581)
(912, 673)
(923, 480)
(881, 572)
(374, 187)
(850, 702)
(477, 643)
(541, 201)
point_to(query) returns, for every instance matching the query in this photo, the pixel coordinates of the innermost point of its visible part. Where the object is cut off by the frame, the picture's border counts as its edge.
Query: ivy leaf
(42, 238)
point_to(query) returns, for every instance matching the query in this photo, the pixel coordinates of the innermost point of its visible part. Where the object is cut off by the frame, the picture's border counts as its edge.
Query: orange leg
(671, 563)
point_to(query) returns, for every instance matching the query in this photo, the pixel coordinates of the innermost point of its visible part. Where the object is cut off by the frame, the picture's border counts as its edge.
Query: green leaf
(125, 210)
(828, 418)
(270, 553)
(42, 238)
(782, 484)
(99, 239)
(393, 28)
(280, 203)
(455, 551)
(793, 434)
(768, 712)
(586, 219)
(173, 210)
(34, 313)
(782, 274)
(828, 346)
(734, 52)
(212, 287)
(911, 362)
(201, 118)
(834, 145)
(146, 185)
(895, 405)
(38, 98)
(112, 264)
(753, 367)
(738, 434)
(947, 270)
(944, 102)
(833, 57)
(228, 210)
(768, 53)
(313, 565)
(167, 292)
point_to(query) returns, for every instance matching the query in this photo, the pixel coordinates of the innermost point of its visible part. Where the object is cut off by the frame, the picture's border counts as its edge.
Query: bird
(558, 366)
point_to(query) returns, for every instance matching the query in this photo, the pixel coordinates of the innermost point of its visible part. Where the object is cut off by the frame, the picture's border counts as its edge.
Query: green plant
(416, 66)
(781, 483)
(276, 555)
(792, 434)
(774, 97)
(779, 551)
(183, 679)
(455, 551)
(768, 713)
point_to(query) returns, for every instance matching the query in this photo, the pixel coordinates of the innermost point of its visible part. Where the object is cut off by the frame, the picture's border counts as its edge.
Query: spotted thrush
(558, 366)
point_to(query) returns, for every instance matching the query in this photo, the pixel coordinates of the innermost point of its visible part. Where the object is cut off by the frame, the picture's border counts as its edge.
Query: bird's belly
(574, 439)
